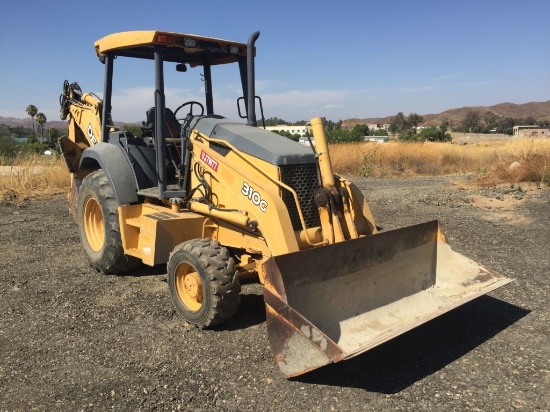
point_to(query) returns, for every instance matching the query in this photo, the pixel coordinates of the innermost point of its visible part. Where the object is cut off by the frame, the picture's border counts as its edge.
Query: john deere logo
(91, 134)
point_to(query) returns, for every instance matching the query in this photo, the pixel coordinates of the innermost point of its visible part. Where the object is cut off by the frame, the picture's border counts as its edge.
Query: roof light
(187, 42)
(234, 49)
(163, 38)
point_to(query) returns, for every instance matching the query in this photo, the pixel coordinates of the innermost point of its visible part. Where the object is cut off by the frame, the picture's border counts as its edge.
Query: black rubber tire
(216, 269)
(108, 257)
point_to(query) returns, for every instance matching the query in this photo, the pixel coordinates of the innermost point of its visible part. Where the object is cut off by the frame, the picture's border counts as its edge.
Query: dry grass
(32, 176)
(510, 161)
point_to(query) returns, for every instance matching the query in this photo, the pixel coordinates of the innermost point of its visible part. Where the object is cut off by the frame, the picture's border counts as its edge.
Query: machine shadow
(402, 361)
(251, 312)
(144, 271)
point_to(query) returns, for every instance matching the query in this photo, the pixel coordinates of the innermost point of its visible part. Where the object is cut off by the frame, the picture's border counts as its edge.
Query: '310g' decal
(254, 196)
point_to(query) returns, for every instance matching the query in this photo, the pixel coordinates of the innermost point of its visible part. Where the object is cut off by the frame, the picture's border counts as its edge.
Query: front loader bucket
(330, 303)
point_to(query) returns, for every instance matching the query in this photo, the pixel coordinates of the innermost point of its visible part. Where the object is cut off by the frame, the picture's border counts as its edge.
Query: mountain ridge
(538, 110)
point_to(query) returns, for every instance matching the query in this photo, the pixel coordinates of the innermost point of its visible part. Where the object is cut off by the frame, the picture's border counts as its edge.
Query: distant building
(378, 126)
(306, 142)
(377, 139)
(299, 130)
(530, 131)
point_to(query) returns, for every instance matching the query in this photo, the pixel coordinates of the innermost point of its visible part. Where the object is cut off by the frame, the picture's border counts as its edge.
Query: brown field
(32, 176)
(492, 162)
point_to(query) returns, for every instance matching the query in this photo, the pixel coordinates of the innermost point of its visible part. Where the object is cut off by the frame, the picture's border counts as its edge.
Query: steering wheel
(191, 103)
(187, 121)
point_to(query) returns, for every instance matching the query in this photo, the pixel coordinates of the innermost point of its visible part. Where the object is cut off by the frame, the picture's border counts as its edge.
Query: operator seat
(172, 137)
(172, 128)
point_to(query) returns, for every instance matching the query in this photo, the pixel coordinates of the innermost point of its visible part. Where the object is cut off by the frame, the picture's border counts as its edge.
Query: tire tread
(220, 271)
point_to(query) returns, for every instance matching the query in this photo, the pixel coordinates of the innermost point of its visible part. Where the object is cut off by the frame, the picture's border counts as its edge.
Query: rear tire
(99, 227)
(201, 279)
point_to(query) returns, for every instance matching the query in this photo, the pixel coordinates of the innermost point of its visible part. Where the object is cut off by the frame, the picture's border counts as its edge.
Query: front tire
(201, 279)
(99, 227)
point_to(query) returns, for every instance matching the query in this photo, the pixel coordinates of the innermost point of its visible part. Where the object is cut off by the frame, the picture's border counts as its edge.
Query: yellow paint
(150, 232)
(123, 43)
(321, 147)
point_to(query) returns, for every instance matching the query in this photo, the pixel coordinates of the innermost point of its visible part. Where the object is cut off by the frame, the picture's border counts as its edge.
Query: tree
(359, 131)
(295, 137)
(330, 125)
(41, 119)
(32, 111)
(53, 135)
(530, 120)
(8, 146)
(398, 123)
(506, 125)
(414, 120)
(490, 120)
(275, 121)
(134, 129)
(434, 134)
(471, 123)
(408, 135)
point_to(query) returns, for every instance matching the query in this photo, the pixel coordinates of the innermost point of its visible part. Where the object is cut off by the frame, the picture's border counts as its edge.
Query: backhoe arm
(83, 111)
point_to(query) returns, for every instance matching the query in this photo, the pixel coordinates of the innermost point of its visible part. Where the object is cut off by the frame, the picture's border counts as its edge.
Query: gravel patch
(74, 339)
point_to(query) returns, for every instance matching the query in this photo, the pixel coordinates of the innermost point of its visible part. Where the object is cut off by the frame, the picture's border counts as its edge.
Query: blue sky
(337, 59)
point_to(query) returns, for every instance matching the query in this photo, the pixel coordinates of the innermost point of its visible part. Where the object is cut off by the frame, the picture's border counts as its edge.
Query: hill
(27, 122)
(538, 110)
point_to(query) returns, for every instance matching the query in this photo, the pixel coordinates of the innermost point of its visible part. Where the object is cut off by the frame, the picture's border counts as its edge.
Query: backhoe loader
(218, 200)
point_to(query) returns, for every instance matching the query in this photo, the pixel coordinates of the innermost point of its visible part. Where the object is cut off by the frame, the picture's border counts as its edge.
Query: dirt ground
(74, 339)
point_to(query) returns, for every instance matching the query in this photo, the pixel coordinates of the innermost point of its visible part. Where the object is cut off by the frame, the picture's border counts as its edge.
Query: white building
(299, 130)
(377, 139)
(305, 141)
(378, 126)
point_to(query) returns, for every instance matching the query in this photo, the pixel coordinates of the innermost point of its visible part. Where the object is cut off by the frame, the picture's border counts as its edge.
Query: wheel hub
(189, 287)
(93, 224)
(192, 284)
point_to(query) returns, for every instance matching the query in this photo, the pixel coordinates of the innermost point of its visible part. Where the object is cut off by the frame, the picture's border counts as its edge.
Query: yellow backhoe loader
(220, 199)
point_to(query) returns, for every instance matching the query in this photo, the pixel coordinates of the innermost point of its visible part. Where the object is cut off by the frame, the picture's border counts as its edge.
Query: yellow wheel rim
(189, 286)
(93, 224)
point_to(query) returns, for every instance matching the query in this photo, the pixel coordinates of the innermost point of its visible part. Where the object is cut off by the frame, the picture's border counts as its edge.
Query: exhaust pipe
(251, 100)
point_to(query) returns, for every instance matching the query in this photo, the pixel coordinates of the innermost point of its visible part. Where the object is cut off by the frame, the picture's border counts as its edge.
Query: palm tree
(41, 119)
(32, 111)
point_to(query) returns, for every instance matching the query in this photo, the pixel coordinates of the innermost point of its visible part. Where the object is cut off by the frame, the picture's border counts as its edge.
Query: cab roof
(180, 48)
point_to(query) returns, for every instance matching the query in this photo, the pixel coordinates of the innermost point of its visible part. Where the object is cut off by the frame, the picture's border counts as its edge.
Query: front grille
(304, 179)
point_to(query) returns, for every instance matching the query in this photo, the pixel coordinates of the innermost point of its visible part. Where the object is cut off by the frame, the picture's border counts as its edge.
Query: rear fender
(113, 161)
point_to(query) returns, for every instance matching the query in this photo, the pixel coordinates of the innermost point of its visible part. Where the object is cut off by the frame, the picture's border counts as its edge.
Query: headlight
(187, 42)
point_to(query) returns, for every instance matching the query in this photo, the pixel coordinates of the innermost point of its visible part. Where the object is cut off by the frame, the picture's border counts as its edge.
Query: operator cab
(161, 161)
